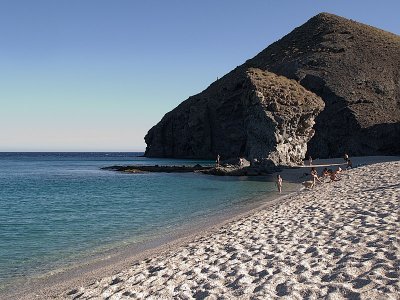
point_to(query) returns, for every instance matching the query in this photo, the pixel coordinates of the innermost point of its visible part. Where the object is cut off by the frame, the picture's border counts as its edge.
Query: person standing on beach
(310, 160)
(279, 183)
(349, 164)
(217, 161)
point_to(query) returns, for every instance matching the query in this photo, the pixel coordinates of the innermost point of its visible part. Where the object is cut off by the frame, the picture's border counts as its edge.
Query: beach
(338, 241)
(200, 150)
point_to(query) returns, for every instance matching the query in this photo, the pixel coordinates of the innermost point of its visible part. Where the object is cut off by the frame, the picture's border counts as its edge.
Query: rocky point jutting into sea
(265, 109)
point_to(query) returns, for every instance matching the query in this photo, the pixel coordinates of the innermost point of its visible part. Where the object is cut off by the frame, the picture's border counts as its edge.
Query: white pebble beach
(340, 240)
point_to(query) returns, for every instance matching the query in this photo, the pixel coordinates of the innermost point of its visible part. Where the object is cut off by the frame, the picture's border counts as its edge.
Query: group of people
(326, 173)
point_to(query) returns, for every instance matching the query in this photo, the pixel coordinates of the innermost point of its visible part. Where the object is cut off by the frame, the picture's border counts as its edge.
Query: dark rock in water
(225, 170)
(235, 170)
(156, 168)
(249, 113)
(355, 69)
(253, 113)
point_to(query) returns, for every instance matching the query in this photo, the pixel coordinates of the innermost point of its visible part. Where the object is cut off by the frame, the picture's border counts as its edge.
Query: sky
(96, 75)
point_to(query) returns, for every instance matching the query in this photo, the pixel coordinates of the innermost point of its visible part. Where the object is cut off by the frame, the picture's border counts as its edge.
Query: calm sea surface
(56, 208)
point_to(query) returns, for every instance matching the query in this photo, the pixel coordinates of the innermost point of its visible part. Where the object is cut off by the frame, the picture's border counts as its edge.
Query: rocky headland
(339, 74)
(250, 113)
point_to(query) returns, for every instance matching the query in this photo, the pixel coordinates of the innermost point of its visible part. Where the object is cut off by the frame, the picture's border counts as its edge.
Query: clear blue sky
(93, 75)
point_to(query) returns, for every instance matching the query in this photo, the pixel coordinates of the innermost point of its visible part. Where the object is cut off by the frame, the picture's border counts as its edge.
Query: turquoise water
(58, 207)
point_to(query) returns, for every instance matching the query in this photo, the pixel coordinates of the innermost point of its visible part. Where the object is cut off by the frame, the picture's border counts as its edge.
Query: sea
(58, 209)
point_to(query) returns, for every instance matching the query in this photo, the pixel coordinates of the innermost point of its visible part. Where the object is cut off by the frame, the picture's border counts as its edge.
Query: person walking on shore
(279, 183)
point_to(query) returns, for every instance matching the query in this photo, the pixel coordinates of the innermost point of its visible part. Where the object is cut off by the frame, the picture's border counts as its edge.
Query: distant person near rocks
(349, 164)
(310, 160)
(346, 157)
(217, 161)
(279, 183)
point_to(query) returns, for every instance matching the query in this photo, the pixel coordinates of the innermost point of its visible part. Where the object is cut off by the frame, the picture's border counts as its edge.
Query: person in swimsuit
(279, 183)
(314, 176)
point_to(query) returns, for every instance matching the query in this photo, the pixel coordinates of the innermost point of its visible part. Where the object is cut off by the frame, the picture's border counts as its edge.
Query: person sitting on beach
(314, 175)
(279, 183)
(325, 173)
(339, 170)
(334, 176)
(313, 171)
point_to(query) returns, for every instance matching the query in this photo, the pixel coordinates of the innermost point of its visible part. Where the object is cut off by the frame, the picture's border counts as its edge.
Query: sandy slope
(339, 241)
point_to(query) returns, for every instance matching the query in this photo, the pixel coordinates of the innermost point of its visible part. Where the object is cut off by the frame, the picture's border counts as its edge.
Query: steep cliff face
(355, 69)
(249, 113)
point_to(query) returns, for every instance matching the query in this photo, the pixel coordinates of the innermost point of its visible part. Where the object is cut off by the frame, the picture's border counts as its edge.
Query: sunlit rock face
(249, 113)
(355, 69)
